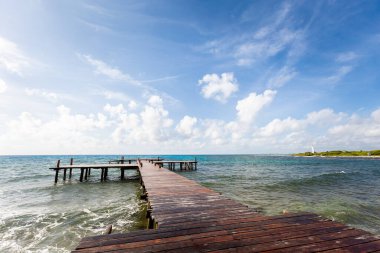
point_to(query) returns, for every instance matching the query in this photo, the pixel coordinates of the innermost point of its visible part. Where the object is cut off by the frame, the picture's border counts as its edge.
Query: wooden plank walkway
(188, 217)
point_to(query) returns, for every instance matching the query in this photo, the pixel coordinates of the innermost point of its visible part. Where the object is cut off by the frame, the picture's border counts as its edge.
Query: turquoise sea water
(38, 216)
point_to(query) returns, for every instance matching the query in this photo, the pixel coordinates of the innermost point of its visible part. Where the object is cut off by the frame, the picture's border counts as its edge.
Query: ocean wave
(59, 232)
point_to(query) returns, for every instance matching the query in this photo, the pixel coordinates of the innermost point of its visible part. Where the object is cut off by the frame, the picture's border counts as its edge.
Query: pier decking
(187, 217)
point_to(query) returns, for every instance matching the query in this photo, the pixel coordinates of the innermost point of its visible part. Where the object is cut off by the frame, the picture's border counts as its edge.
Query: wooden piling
(71, 170)
(86, 174)
(57, 171)
(122, 173)
(81, 175)
(64, 174)
(56, 175)
(102, 175)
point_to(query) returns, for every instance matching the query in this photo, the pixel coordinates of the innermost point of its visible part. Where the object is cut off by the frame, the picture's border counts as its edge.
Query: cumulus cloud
(278, 126)
(248, 108)
(150, 125)
(65, 133)
(149, 128)
(186, 126)
(3, 86)
(218, 87)
(321, 118)
(12, 59)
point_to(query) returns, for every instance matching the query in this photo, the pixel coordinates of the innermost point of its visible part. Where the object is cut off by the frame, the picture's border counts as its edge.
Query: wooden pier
(182, 165)
(85, 169)
(187, 217)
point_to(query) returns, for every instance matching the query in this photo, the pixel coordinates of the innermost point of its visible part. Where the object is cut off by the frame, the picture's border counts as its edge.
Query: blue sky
(104, 77)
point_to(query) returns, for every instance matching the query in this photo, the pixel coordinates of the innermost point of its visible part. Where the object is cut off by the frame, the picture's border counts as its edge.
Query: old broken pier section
(187, 217)
(118, 164)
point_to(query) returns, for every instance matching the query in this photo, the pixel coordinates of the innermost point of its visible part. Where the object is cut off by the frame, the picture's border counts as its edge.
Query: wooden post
(71, 170)
(105, 173)
(86, 174)
(102, 175)
(56, 175)
(180, 165)
(81, 175)
(57, 171)
(122, 173)
(64, 174)
(89, 171)
(108, 230)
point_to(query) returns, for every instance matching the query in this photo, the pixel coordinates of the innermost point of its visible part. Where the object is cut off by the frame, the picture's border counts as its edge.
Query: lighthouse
(312, 150)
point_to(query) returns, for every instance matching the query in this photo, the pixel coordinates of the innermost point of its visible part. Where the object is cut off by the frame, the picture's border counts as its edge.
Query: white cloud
(149, 129)
(186, 126)
(324, 116)
(346, 57)
(12, 59)
(376, 115)
(132, 105)
(114, 73)
(115, 95)
(3, 86)
(116, 110)
(219, 88)
(165, 78)
(151, 125)
(248, 108)
(284, 75)
(106, 70)
(261, 49)
(279, 34)
(65, 133)
(51, 96)
(340, 74)
(278, 126)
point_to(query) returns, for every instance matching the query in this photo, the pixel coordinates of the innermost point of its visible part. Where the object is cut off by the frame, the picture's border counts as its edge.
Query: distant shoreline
(341, 156)
(372, 154)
